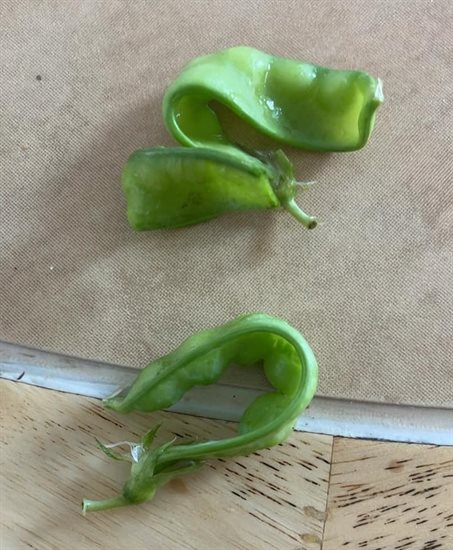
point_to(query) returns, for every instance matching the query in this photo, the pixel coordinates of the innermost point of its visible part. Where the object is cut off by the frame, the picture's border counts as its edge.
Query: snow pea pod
(296, 103)
(176, 187)
(289, 365)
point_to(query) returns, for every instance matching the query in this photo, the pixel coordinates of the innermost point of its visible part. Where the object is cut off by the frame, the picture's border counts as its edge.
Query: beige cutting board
(81, 88)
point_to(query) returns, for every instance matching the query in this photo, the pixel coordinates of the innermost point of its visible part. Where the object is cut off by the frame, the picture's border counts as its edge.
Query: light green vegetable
(289, 365)
(179, 186)
(297, 103)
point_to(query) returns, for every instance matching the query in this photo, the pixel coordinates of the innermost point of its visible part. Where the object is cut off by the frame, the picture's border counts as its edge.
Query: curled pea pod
(296, 103)
(289, 365)
(179, 186)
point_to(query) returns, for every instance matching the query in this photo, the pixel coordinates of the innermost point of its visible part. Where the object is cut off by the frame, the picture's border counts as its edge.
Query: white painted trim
(227, 400)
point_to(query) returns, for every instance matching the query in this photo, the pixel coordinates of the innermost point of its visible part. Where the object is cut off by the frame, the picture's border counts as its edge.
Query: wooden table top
(313, 491)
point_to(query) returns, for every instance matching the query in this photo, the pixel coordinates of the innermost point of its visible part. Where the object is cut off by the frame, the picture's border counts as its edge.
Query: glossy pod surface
(297, 103)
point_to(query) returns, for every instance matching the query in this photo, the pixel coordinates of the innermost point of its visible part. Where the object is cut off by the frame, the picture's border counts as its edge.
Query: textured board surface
(370, 288)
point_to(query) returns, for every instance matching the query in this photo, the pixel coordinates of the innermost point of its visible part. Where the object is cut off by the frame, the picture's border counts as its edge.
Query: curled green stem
(310, 222)
(98, 505)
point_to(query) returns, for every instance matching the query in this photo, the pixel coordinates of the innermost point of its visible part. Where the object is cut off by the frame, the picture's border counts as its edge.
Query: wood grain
(273, 499)
(382, 496)
(387, 496)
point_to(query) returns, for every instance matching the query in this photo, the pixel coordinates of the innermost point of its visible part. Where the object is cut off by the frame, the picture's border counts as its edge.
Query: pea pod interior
(297, 103)
(288, 362)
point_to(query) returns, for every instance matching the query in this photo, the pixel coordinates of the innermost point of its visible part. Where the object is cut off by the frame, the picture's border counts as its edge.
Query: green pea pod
(176, 187)
(296, 103)
(289, 365)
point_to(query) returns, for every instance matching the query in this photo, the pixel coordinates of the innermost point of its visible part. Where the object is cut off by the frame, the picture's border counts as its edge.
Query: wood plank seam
(326, 508)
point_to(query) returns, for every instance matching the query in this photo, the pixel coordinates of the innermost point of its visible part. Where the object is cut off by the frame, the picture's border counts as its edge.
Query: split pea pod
(301, 104)
(177, 187)
(289, 365)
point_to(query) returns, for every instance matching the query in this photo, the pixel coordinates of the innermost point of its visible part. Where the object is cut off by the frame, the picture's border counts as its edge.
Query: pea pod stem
(293, 208)
(105, 504)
